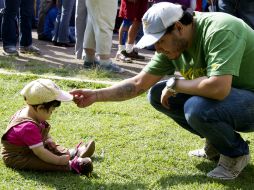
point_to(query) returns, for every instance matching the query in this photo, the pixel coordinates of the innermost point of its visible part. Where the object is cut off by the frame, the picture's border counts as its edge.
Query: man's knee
(195, 110)
(154, 94)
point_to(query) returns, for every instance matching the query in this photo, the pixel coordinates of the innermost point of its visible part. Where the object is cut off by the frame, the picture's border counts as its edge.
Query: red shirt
(133, 10)
(25, 134)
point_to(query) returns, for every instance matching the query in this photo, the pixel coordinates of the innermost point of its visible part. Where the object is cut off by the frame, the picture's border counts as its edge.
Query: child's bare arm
(49, 157)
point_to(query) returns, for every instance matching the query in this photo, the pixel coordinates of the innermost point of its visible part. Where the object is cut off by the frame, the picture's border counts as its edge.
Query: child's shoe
(83, 151)
(82, 165)
(87, 150)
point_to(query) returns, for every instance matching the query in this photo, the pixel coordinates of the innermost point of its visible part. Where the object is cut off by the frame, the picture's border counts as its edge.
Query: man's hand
(165, 94)
(84, 98)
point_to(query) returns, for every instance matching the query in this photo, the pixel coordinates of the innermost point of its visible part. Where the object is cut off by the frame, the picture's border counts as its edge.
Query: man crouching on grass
(214, 98)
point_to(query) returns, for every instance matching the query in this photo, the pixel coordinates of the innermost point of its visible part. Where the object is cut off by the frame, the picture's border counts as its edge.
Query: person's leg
(122, 37)
(135, 11)
(132, 34)
(103, 14)
(80, 26)
(44, 7)
(63, 33)
(218, 121)
(26, 16)
(23, 158)
(9, 26)
(57, 23)
(89, 44)
(176, 111)
(123, 31)
(126, 25)
(32, 162)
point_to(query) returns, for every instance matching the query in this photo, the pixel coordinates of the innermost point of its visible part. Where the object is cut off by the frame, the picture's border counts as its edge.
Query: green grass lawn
(136, 146)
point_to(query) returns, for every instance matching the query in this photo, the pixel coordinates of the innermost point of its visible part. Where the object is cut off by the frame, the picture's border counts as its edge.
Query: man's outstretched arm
(123, 90)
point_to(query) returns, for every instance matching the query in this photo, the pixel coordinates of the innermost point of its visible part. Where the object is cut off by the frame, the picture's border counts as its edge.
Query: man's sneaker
(121, 57)
(10, 51)
(229, 168)
(82, 165)
(208, 152)
(90, 65)
(133, 55)
(30, 49)
(111, 67)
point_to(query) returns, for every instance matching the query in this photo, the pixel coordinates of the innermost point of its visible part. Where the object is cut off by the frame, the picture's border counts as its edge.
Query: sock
(129, 48)
(121, 48)
(83, 54)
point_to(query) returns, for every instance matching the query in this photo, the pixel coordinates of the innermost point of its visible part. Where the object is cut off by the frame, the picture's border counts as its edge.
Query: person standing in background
(12, 10)
(131, 11)
(98, 35)
(61, 35)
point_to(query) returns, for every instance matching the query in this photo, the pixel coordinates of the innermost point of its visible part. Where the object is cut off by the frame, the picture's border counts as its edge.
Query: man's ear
(179, 27)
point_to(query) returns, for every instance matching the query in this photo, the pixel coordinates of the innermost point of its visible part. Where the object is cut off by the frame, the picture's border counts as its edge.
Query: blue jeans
(217, 121)
(61, 33)
(9, 26)
(243, 9)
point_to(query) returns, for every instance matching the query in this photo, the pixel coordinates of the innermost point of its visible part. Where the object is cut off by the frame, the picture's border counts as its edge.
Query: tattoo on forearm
(120, 92)
(125, 91)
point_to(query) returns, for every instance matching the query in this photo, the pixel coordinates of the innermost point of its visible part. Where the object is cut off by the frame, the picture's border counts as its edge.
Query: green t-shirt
(222, 45)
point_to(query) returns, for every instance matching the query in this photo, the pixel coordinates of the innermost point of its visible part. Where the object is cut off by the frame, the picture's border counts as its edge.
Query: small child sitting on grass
(26, 142)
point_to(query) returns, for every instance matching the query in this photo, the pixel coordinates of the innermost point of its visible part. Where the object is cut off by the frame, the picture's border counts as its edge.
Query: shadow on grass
(244, 180)
(60, 181)
(61, 68)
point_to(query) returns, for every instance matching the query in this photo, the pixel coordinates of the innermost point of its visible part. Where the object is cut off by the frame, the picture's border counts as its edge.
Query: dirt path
(61, 57)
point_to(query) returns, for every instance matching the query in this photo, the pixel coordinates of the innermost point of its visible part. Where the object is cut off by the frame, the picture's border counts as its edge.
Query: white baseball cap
(42, 91)
(156, 20)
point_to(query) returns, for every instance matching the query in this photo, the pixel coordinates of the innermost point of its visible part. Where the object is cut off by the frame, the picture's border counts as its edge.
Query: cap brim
(64, 97)
(148, 40)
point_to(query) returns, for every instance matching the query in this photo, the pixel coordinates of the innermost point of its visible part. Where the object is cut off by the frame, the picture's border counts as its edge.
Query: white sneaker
(229, 168)
(208, 152)
(121, 57)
